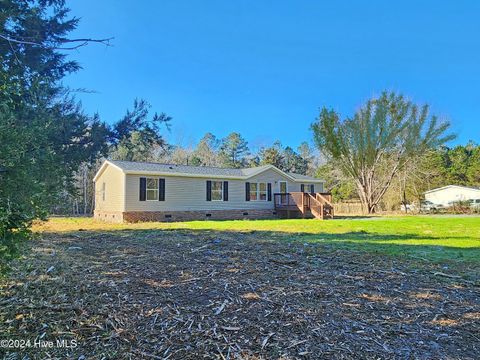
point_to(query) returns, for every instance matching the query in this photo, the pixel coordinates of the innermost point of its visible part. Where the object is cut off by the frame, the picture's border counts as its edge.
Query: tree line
(390, 152)
(139, 137)
(232, 151)
(457, 165)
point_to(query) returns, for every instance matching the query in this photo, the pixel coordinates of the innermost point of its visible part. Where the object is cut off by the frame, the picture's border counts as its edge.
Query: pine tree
(44, 135)
(233, 150)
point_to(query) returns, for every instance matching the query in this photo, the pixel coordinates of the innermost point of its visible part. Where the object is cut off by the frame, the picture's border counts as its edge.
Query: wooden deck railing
(318, 204)
(324, 197)
(321, 206)
(291, 201)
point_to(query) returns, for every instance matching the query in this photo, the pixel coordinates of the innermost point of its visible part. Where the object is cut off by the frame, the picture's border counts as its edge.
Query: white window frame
(258, 192)
(154, 189)
(283, 197)
(212, 190)
(254, 192)
(308, 188)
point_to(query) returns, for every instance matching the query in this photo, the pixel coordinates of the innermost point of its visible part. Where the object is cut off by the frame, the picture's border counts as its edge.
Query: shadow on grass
(425, 247)
(378, 237)
(357, 217)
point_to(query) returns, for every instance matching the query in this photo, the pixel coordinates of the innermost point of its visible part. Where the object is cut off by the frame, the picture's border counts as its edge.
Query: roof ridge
(150, 167)
(462, 186)
(194, 166)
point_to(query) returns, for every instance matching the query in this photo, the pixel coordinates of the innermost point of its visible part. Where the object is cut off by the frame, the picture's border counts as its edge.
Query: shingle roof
(133, 166)
(172, 168)
(300, 176)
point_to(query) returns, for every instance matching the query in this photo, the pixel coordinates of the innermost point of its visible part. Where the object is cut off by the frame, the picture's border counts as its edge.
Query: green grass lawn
(430, 238)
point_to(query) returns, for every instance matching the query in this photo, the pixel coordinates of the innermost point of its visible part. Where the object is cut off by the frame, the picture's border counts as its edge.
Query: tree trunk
(366, 198)
(85, 175)
(404, 201)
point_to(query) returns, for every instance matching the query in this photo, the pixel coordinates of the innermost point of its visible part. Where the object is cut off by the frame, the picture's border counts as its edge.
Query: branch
(83, 42)
(383, 189)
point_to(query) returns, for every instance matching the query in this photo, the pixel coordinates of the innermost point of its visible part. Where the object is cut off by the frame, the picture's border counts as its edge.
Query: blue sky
(264, 68)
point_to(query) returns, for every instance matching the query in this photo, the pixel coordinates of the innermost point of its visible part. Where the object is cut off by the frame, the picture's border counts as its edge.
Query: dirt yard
(192, 294)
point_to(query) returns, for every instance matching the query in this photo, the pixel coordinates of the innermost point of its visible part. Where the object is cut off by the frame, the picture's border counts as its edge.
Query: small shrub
(461, 207)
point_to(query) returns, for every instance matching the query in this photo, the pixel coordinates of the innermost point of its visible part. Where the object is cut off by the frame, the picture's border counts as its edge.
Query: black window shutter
(247, 191)
(269, 190)
(312, 189)
(302, 188)
(161, 189)
(143, 189)
(209, 190)
(225, 191)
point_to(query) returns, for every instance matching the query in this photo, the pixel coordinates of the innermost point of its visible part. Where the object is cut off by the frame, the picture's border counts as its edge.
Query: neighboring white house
(452, 193)
(136, 191)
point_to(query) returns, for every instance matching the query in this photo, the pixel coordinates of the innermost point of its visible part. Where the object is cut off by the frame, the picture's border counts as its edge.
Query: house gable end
(102, 169)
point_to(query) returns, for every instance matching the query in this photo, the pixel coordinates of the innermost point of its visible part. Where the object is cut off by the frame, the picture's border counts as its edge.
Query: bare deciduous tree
(381, 138)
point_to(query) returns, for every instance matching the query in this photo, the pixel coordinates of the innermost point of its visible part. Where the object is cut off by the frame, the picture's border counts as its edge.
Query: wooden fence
(350, 208)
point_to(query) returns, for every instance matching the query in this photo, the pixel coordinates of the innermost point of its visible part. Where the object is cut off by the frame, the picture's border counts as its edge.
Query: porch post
(303, 205)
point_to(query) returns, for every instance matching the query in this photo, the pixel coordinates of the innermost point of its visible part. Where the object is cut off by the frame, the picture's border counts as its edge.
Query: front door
(283, 190)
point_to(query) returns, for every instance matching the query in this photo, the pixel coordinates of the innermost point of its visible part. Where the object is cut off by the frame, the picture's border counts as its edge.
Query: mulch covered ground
(204, 294)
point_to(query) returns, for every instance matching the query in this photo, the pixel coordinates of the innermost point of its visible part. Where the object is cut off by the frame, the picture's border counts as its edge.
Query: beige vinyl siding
(114, 180)
(189, 193)
(319, 187)
(296, 186)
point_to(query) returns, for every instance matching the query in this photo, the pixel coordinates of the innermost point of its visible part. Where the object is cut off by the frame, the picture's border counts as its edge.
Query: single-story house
(446, 195)
(141, 191)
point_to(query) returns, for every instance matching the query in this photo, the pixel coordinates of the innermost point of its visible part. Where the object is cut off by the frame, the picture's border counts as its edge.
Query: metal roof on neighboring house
(450, 186)
(201, 171)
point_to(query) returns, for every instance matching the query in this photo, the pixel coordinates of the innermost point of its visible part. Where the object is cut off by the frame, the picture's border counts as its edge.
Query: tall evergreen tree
(44, 136)
(206, 152)
(473, 171)
(272, 155)
(233, 150)
(293, 162)
(307, 153)
(137, 136)
(285, 159)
